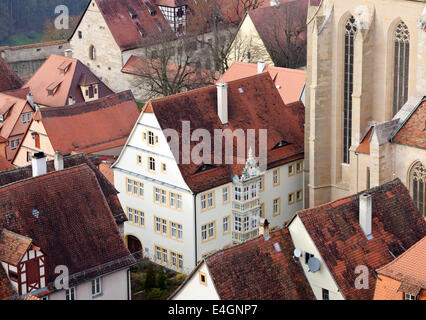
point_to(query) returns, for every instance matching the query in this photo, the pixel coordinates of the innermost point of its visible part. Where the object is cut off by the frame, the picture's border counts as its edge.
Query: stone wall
(25, 60)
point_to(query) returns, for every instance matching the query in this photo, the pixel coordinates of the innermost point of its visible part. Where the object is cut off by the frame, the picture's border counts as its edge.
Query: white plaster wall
(194, 290)
(114, 287)
(321, 279)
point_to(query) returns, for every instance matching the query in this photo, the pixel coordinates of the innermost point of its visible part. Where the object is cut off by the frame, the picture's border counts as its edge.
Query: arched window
(350, 32)
(92, 53)
(418, 186)
(401, 64)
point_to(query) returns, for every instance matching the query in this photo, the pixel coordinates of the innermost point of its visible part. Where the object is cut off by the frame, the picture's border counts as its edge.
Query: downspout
(195, 227)
(128, 286)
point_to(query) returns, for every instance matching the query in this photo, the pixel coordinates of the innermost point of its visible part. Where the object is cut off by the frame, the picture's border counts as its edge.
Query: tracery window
(401, 65)
(350, 32)
(418, 187)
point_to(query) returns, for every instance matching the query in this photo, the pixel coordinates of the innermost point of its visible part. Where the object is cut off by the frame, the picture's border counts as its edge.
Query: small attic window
(132, 13)
(64, 67)
(36, 213)
(151, 9)
(280, 144)
(52, 88)
(1, 118)
(204, 167)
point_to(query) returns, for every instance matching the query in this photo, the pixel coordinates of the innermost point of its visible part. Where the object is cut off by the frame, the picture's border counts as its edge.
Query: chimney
(264, 228)
(39, 164)
(222, 102)
(260, 66)
(59, 161)
(68, 53)
(365, 214)
(275, 3)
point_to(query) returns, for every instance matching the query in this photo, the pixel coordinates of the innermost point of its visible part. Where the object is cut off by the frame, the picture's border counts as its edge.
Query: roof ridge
(25, 180)
(190, 92)
(72, 107)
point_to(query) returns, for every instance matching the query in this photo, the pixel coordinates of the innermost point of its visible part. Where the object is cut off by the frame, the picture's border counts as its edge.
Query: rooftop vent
(281, 144)
(205, 167)
(39, 164)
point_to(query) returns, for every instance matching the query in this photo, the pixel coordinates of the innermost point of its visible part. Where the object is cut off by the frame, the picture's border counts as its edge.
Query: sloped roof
(409, 267)
(256, 270)
(50, 76)
(5, 165)
(12, 103)
(171, 3)
(271, 21)
(413, 130)
(89, 124)
(9, 80)
(70, 232)
(110, 193)
(253, 103)
(130, 33)
(334, 228)
(13, 246)
(289, 82)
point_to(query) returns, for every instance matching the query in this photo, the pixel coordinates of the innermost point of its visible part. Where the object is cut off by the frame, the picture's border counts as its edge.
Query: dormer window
(1, 118)
(64, 67)
(132, 13)
(52, 88)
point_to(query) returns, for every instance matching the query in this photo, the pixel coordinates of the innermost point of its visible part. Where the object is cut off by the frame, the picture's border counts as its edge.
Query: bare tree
(170, 67)
(241, 7)
(285, 35)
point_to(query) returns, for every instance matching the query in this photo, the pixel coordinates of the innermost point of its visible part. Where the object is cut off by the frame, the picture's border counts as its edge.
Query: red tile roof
(9, 80)
(364, 146)
(82, 237)
(130, 33)
(255, 270)
(413, 130)
(271, 22)
(13, 246)
(50, 76)
(409, 267)
(289, 82)
(259, 106)
(5, 165)
(93, 124)
(171, 3)
(12, 104)
(110, 193)
(35, 45)
(334, 228)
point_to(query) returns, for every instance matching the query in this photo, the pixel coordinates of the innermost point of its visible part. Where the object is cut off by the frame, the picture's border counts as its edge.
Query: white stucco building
(180, 212)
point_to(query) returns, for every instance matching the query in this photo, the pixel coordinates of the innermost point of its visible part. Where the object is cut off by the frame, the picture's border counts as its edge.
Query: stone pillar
(318, 110)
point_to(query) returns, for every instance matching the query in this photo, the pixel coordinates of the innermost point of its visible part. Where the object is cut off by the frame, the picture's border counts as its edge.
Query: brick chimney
(39, 164)
(59, 161)
(222, 102)
(68, 53)
(365, 214)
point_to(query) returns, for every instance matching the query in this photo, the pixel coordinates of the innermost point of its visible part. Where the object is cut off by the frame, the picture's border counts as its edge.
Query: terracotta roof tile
(71, 233)
(5, 165)
(94, 124)
(13, 247)
(364, 146)
(289, 82)
(335, 230)
(259, 107)
(110, 193)
(409, 268)
(255, 270)
(9, 80)
(51, 75)
(413, 131)
(140, 31)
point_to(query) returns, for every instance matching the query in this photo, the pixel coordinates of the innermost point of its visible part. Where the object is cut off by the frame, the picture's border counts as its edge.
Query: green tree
(161, 279)
(150, 278)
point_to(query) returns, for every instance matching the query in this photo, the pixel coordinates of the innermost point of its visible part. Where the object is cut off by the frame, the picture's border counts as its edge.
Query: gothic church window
(418, 187)
(350, 32)
(401, 65)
